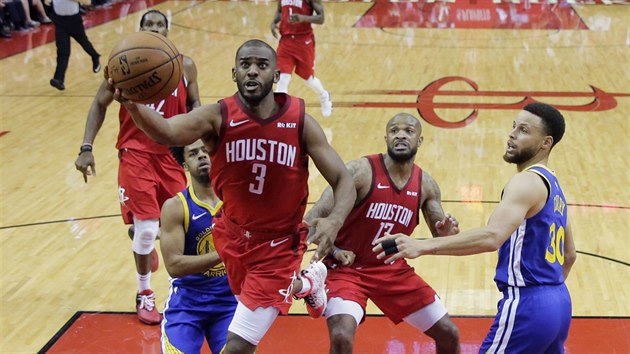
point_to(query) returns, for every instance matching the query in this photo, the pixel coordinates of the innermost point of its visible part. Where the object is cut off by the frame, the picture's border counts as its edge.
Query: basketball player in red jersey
(391, 190)
(148, 174)
(296, 49)
(260, 143)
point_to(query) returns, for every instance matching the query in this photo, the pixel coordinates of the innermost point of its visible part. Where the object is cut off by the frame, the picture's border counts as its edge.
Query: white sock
(144, 281)
(306, 287)
(315, 85)
(283, 83)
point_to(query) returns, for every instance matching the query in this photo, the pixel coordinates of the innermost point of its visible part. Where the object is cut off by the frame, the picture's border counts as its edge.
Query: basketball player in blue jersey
(531, 230)
(200, 303)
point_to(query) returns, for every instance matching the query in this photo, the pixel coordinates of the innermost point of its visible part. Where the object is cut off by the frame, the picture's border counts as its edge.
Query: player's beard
(203, 178)
(519, 157)
(255, 98)
(402, 156)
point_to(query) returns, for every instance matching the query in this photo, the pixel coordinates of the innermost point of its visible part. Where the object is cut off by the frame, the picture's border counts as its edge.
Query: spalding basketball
(145, 66)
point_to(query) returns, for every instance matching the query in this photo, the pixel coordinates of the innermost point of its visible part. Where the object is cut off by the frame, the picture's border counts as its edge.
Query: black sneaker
(96, 65)
(57, 84)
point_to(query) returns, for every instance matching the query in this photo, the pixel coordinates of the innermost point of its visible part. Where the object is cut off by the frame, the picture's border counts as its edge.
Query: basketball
(145, 66)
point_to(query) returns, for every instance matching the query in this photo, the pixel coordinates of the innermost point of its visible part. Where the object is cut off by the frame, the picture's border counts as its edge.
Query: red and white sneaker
(145, 306)
(316, 299)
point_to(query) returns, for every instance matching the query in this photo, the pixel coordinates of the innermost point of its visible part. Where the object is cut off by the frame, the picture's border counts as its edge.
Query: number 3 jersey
(385, 208)
(534, 253)
(260, 167)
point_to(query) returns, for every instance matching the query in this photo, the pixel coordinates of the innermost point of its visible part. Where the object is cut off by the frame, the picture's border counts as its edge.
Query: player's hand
(447, 226)
(345, 257)
(274, 28)
(295, 18)
(322, 232)
(86, 165)
(398, 246)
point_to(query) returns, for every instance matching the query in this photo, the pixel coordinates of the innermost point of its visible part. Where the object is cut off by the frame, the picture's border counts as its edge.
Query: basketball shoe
(316, 298)
(324, 100)
(145, 307)
(155, 259)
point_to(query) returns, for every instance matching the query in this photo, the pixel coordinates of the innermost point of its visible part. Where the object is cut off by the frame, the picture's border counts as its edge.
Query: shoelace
(147, 301)
(288, 291)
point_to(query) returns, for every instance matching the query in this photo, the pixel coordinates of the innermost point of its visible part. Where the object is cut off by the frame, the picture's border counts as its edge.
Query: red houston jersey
(294, 7)
(260, 167)
(131, 137)
(384, 209)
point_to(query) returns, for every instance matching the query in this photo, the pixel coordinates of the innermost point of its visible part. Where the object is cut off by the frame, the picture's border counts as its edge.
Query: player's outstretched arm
(172, 240)
(179, 130)
(524, 192)
(277, 16)
(334, 171)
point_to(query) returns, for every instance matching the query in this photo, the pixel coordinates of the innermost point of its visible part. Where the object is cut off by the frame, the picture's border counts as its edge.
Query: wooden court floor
(464, 67)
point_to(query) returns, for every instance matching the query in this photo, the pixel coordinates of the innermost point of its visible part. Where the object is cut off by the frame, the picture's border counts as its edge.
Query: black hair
(256, 43)
(178, 154)
(551, 117)
(153, 12)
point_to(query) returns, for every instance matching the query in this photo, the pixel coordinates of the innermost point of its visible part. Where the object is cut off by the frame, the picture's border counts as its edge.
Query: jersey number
(259, 170)
(385, 227)
(555, 250)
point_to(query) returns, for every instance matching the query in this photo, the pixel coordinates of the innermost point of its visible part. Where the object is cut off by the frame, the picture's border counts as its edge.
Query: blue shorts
(530, 320)
(191, 315)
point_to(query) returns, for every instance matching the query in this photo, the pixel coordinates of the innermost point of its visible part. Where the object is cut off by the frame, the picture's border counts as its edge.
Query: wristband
(84, 148)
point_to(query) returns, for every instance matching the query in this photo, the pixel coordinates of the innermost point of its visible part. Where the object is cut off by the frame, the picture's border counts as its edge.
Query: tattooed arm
(439, 223)
(361, 172)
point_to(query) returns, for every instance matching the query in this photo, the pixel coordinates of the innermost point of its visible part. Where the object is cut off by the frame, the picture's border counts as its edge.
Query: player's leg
(403, 295)
(343, 318)
(138, 198)
(182, 327)
(435, 322)
(285, 63)
(247, 328)
(530, 320)
(305, 68)
(221, 314)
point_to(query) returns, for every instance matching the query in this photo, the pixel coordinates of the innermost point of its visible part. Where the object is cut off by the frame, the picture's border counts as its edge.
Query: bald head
(405, 118)
(403, 135)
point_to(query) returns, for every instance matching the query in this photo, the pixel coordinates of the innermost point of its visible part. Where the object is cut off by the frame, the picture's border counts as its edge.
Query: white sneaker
(326, 103)
(316, 298)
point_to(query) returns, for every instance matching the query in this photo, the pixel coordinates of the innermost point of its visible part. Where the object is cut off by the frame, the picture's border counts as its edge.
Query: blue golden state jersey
(198, 240)
(534, 253)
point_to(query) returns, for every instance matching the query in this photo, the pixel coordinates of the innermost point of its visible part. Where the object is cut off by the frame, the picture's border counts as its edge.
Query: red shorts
(395, 289)
(297, 52)
(260, 265)
(145, 182)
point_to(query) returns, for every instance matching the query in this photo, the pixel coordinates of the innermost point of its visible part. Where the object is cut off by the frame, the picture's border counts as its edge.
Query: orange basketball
(145, 66)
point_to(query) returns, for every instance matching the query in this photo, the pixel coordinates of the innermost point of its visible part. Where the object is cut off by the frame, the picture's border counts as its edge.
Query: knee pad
(252, 325)
(283, 83)
(144, 236)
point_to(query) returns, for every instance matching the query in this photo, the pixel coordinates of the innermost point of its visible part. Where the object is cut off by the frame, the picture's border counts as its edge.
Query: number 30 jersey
(385, 208)
(260, 166)
(534, 253)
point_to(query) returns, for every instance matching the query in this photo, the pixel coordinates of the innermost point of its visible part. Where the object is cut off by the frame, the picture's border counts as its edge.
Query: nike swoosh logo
(274, 243)
(308, 42)
(236, 124)
(195, 217)
(380, 186)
